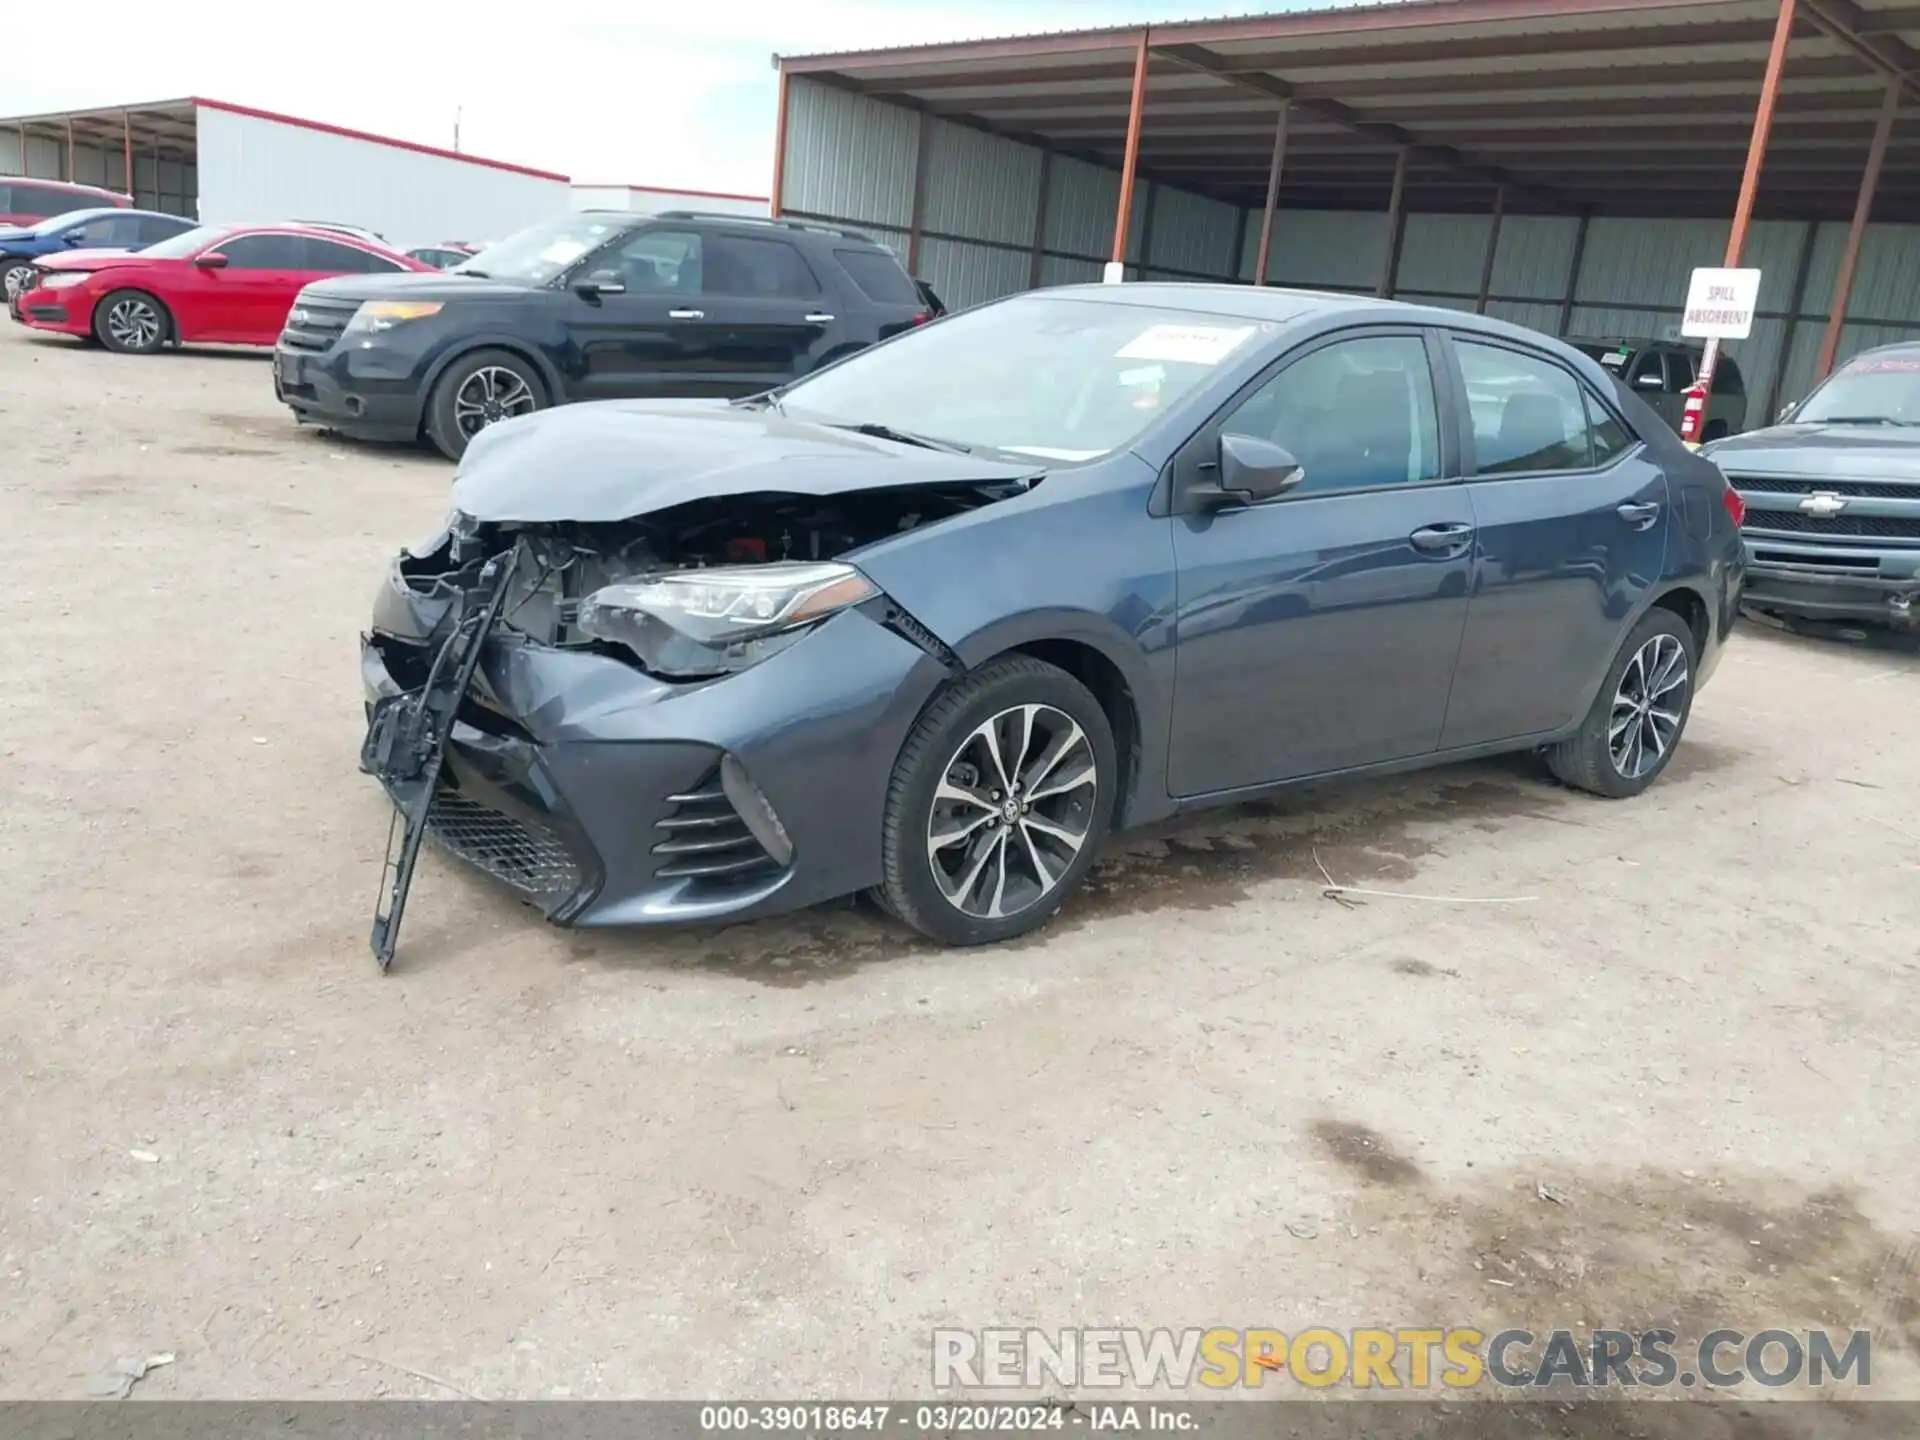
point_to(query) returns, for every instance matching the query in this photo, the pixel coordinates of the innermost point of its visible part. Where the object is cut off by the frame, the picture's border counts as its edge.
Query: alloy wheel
(133, 324)
(15, 280)
(1012, 811)
(1647, 707)
(491, 394)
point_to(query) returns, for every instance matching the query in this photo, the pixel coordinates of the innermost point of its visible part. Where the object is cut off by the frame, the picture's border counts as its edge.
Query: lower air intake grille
(703, 837)
(524, 856)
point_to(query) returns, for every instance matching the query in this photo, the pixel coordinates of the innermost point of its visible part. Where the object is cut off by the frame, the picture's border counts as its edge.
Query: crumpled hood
(1842, 452)
(616, 459)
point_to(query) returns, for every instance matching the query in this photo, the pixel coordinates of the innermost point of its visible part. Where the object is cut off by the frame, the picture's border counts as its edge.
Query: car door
(1570, 516)
(636, 317)
(1317, 631)
(771, 319)
(242, 301)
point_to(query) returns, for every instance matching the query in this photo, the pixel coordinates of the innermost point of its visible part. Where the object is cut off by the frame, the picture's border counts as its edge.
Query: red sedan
(222, 284)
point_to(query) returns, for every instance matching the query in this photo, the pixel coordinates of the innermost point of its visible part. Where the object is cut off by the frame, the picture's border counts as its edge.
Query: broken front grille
(703, 837)
(526, 856)
(313, 325)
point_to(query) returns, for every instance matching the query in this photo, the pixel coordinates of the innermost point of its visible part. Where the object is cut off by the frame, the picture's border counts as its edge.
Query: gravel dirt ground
(770, 1159)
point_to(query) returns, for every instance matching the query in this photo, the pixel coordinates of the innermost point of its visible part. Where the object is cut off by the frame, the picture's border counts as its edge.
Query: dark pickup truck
(1832, 495)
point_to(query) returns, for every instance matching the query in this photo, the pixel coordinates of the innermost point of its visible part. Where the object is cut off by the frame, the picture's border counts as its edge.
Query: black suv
(598, 306)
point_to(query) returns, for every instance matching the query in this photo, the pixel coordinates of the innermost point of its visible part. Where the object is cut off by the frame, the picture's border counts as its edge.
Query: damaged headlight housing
(693, 623)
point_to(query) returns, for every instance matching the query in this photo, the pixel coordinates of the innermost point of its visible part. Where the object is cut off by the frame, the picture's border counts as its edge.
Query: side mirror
(74, 237)
(1786, 412)
(1251, 470)
(213, 260)
(603, 282)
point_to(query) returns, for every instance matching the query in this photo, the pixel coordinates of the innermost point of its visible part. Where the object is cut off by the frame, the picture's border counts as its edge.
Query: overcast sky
(654, 92)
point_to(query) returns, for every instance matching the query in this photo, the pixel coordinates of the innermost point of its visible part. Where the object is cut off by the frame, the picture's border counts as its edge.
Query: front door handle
(686, 314)
(818, 318)
(1640, 517)
(1447, 539)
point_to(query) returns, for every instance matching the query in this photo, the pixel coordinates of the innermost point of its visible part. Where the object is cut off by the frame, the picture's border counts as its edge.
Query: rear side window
(154, 228)
(262, 252)
(341, 259)
(1529, 415)
(879, 276)
(1727, 379)
(763, 269)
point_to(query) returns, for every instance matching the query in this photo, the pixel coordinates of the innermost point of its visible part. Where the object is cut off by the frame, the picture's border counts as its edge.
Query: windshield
(541, 252)
(1872, 390)
(54, 224)
(1051, 377)
(187, 242)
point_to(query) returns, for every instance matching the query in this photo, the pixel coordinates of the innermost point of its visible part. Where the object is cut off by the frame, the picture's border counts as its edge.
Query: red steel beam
(1757, 146)
(1862, 208)
(1396, 229)
(1493, 249)
(1273, 192)
(1124, 215)
(780, 147)
(126, 153)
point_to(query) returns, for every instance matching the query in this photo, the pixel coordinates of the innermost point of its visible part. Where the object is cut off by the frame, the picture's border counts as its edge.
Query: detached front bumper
(604, 796)
(1829, 582)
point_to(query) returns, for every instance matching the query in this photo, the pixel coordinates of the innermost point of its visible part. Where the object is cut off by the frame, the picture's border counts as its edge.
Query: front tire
(1000, 800)
(1637, 719)
(13, 277)
(479, 390)
(132, 322)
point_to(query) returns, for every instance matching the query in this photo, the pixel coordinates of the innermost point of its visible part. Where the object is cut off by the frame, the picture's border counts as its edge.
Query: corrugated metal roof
(1607, 106)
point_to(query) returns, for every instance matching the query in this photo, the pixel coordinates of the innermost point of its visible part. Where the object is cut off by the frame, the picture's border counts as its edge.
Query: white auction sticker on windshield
(1186, 344)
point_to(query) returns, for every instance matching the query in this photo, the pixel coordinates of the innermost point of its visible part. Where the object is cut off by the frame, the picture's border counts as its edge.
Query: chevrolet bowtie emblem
(1823, 505)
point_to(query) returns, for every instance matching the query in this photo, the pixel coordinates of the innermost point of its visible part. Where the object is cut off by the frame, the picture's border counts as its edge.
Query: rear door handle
(818, 318)
(1640, 517)
(686, 314)
(1449, 538)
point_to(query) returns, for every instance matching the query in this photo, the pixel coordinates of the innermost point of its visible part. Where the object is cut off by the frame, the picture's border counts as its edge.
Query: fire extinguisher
(1693, 414)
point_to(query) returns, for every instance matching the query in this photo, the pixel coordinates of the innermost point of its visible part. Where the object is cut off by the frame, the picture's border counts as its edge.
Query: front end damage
(687, 715)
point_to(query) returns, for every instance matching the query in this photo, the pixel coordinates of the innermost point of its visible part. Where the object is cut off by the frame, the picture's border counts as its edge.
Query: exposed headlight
(715, 622)
(378, 315)
(59, 279)
(435, 541)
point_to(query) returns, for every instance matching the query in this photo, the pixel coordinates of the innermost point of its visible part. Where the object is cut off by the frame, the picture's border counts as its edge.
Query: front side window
(1529, 415)
(1042, 375)
(263, 252)
(1354, 414)
(1868, 390)
(1727, 378)
(661, 262)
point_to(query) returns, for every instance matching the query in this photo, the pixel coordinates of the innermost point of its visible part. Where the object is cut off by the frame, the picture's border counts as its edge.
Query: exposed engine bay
(560, 564)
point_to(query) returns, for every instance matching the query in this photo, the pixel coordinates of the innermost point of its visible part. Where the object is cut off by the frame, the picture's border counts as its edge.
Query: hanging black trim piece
(406, 744)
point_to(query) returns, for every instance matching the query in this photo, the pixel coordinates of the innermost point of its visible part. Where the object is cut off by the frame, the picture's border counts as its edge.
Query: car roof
(1897, 347)
(59, 184)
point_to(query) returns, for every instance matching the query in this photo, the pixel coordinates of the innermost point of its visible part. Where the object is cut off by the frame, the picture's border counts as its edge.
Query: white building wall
(258, 169)
(655, 200)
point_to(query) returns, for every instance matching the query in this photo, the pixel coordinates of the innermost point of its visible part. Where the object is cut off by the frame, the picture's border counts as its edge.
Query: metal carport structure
(1450, 150)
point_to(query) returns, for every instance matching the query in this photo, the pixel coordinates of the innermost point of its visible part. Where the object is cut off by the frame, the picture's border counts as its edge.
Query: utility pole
(456, 129)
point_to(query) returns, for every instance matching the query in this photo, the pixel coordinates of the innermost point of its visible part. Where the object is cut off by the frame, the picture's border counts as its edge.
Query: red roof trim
(373, 139)
(672, 190)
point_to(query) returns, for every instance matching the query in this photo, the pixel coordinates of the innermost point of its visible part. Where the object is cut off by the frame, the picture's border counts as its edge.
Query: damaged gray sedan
(933, 622)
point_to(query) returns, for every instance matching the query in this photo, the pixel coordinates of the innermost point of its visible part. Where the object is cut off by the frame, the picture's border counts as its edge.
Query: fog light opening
(756, 810)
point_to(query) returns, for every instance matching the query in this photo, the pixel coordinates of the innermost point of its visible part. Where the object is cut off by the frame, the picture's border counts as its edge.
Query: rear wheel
(1629, 736)
(479, 390)
(13, 278)
(131, 322)
(999, 801)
